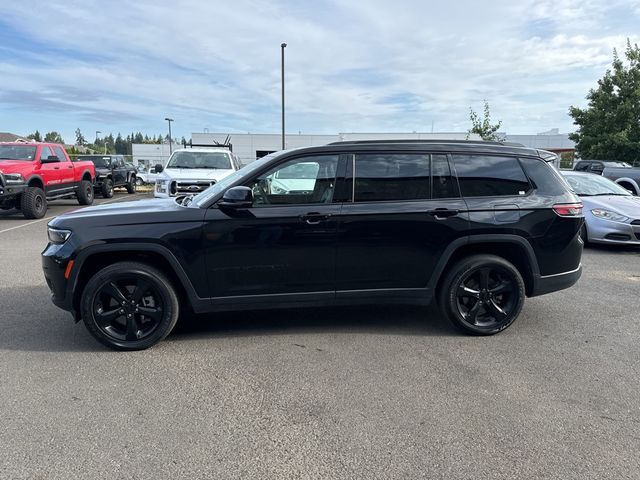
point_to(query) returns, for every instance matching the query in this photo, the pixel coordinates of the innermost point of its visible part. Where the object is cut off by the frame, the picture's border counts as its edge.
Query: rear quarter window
(544, 178)
(490, 176)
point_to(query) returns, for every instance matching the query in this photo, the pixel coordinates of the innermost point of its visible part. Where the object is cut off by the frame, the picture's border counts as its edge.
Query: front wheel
(33, 203)
(85, 193)
(131, 185)
(129, 306)
(482, 294)
(107, 188)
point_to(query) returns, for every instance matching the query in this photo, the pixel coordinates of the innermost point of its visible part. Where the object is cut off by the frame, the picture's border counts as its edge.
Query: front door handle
(442, 213)
(314, 218)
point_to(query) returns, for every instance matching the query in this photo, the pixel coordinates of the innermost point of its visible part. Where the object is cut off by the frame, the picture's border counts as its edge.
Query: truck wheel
(107, 188)
(85, 193)
(139, 181)
(482, 294)
(129, 306)
(33, 203)
(131, 186)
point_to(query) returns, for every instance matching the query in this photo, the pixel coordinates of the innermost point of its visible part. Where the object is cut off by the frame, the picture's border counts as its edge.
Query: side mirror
(237, 197)
(158, 168)
(50, 159)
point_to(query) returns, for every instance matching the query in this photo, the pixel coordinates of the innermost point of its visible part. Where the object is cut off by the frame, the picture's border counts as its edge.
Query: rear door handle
(314, 218)
(442, 213)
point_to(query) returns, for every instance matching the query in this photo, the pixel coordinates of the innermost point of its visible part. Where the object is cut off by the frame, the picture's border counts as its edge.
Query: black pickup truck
(620, 172)
(112, 171)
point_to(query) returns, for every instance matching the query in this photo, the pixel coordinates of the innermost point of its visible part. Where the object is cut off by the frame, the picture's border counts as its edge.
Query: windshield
(588, 185)
(17, 152)
(187, 159)
(99, 162)
(226, 182)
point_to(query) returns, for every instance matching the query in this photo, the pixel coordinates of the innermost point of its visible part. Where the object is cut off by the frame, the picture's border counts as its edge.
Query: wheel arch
(95, 258)
(512, 248)
(630, 182)
(36, 181)
(86, 175)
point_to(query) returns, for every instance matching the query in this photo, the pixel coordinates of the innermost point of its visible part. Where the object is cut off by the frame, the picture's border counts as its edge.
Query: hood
(102, 171)
(626, 205)
(148, 206)
(194, 174)
(16, 166)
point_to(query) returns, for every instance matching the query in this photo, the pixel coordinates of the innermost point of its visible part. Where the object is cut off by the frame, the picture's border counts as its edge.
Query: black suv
(112, 171)
(476, 225)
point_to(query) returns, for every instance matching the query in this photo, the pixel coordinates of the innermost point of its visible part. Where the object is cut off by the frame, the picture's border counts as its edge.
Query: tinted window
(60, 154)
(444, 185)
(582, 166)
(298, 181)
(488, 176)
(545, 179)
(45, 153)
(381, 177)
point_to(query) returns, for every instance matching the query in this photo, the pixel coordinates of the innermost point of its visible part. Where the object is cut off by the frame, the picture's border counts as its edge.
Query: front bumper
(610, 232)
(55, 259)
(10, 190)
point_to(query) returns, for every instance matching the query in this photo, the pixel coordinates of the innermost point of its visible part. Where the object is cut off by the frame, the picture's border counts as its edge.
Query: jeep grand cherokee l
(476, 225)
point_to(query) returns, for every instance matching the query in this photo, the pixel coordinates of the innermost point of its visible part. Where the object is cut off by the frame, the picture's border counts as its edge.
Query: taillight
(568, 209)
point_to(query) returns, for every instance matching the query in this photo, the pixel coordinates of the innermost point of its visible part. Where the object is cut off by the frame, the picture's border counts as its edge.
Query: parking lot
(331, 393)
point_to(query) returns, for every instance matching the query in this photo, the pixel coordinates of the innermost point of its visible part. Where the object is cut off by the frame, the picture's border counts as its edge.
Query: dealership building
(250, 146)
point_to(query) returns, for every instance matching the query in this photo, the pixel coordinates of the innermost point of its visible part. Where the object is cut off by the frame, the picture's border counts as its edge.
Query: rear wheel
(107, 188)
(33, 203)
(85, 193)
(482, 294)
(129, 306)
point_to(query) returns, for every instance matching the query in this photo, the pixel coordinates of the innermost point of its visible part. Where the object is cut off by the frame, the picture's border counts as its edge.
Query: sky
(351, 66)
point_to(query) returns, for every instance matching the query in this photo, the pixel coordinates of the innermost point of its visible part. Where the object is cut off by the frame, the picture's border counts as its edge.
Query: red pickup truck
(33, 173)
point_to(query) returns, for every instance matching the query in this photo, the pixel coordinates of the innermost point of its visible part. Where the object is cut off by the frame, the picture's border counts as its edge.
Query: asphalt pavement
(358, 393)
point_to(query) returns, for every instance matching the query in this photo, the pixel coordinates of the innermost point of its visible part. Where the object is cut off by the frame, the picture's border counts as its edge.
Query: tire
(131, 186)
(584, 235)
(33, 203)
(482, 294)
(139, 181)
(107, 188)
(113, 301)
(85, 193)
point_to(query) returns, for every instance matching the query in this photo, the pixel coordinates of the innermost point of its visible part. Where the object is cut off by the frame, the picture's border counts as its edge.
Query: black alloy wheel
(129, 306)
(483, 294)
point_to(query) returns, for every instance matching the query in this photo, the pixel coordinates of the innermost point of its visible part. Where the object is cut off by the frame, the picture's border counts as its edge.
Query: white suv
(192, 170)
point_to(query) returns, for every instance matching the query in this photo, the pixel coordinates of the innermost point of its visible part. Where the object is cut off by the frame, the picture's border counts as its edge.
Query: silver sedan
(612, 214)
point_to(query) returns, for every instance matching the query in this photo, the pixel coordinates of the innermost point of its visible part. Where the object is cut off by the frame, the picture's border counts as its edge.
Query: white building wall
(151, 154)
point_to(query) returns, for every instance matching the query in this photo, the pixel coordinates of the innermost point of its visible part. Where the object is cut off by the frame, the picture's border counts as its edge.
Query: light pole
(96, 142)
(169, 120)
(282, 47)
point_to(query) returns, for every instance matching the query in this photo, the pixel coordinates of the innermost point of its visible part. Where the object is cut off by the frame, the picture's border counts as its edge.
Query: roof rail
(400, 141)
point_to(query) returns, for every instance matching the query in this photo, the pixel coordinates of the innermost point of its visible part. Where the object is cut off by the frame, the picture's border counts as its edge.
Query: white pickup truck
(192, 170)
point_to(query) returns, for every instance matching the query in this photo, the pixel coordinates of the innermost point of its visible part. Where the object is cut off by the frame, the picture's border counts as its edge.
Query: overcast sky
(351, 66)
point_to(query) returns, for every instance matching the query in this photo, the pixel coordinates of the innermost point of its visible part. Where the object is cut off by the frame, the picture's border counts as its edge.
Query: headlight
(608, 215)
(57, 235)
(13, 178)
(161, 186)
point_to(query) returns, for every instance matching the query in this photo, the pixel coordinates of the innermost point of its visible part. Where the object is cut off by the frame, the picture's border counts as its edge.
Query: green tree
(80, 140)
(483, 127)
(35, 136)
(609, 127)
(53, 137)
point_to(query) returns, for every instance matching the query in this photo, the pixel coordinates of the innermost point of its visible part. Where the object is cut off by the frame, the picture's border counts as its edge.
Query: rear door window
(490, 176)
(391, 176)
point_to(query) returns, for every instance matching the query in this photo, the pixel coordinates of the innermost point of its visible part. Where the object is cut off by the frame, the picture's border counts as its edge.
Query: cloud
(350, 66)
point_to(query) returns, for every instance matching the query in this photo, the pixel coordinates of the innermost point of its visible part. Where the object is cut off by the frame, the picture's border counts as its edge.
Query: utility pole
(282, 47)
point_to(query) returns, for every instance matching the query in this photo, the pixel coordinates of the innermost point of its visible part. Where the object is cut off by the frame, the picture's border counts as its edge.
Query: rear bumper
(552, 283)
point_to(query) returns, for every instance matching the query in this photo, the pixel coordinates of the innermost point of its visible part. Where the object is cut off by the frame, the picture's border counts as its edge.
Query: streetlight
(169, 120)
(282, 47)
(105, 143)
